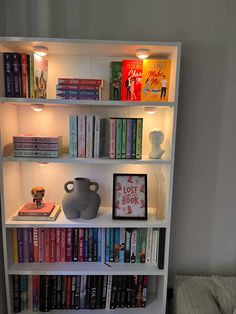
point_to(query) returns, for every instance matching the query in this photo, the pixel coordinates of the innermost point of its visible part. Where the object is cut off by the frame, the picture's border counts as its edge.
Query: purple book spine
(20, 245)
(129, 138)
(26, 245)
(31, 244)
(8, 74)
(16, 75)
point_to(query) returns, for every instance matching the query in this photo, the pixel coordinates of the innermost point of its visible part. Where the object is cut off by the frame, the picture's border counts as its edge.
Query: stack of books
(28, 145)
(79, 89)
(49, 292)
(88, 136)
(25, 75)
(126, 138)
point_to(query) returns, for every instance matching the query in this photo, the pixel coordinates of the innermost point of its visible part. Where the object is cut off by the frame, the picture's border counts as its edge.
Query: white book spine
(81, 136)
(82, 291)
(96, 136)
(89, 136)
(109, 286)
(149, 245)
(155, 240)
(73, 128)
(133, 246)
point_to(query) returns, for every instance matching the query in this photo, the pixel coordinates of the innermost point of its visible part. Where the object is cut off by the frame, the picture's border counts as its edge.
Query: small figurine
(38, 193)
(156, 138)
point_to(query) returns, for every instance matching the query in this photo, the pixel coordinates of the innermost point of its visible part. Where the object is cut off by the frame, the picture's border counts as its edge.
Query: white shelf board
(97, 103)
(103, 220)
(88, 268)
(153, 306)
(65, 158)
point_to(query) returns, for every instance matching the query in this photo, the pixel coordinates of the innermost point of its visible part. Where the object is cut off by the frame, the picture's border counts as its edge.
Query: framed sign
(129, 196)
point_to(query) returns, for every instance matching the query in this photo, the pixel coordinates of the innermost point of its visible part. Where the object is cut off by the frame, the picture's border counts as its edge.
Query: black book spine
(88, 294)
(93, 292)
(16, 74)
(161, 253)
(104, 292)
(73, 292)
(134, 291)
(8, 74)
(41, 293)
(47, 296)
(75, 245)
(77, 292)
(99, 291)
(144, 291)
(58, 293)
(54, 292)
(16, 294)
(119, 290)
(139, 291)
(123, 292)
(128, 292)
(28, 74)
(63, 292)
(114, 289)
(127, 244)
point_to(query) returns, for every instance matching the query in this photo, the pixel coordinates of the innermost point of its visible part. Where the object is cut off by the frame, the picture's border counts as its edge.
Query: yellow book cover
(155, 80)
(14, 244)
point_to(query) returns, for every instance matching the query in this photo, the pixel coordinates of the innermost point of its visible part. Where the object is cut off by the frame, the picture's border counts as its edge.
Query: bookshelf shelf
(93, 268)
(89, 59)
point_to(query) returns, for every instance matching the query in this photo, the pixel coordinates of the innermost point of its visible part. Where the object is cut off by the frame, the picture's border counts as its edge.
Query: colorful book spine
(58, 244)
(100, 244)
(69, 81)
(127, 244)
(107, 245)
(116, 244)
(85, 244)
(88, 87)
(68, 292)
(16, 66)
(36, 153)
(90, 244)
(68, 244)
(134, 131)
(40, 146)
(35, 293)
(52, 237)
(89, 136)
(71, 97)
(112, 153)
(36, 244)
(118, 137)
(63, 244)
(122, 245)
(73, 136)
(81, 244)
(29, 292)
(133, 246)
(144, 292)
(24, 75)
(41, 244)
(77, 93)
(134, 290)
(95, 245)
(81, 136)
(31, 245)
(36, 139)
(14, 244)
(123, 145)
(31, 71)
(8, 74)
(139, 138)
(139, 291)
(115, 80)
(149, 245)
(143, 245)
(128, 138)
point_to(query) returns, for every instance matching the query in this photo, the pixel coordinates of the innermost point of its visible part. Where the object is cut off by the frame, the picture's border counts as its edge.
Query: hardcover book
(115, 80)
(155, 80)
(131, 80)
(53, 216)
(29, 209)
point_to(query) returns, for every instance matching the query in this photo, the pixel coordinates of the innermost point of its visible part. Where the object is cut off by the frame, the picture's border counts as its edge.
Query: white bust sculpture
(156, 138)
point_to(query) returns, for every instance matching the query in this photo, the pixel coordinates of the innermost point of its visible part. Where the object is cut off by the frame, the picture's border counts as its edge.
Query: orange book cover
(29, 209)
(155, 80)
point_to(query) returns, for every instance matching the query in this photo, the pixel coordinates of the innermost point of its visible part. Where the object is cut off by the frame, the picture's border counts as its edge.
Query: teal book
(118, 137)
(115, 80)
(134, 131)
(123, 152)
(73, 136)
(139, 136)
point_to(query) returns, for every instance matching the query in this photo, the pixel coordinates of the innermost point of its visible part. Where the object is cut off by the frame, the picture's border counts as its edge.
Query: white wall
(203, 224)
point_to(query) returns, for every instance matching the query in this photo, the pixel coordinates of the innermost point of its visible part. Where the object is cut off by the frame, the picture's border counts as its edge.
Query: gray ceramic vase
(80, 201)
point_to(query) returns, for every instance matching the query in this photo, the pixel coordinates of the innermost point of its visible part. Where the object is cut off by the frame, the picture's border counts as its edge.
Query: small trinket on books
(38, 193)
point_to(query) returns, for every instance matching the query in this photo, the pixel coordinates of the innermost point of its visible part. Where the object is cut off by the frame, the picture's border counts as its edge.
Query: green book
(115, 80)
(118, 137)
(123, 152)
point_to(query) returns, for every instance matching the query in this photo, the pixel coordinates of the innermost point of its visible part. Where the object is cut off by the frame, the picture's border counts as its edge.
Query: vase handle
(96, 186)
(66, 188)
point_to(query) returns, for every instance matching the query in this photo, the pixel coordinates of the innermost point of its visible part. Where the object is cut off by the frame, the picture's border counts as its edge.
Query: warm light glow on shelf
(42, 164)
(150, 110)
(143, 53)
(37, 107)
(41, 51)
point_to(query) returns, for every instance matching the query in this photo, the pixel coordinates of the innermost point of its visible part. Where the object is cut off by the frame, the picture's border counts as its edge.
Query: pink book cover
(81, 245)
(78, 87)
(63, 244)
(37, 146)
(40, 76)
(131, 80)
(41, 244)
(81, 136)
(52, 245)
(58, 244)
(46, 245)
(29, 209)
(112, 138)
(75, 81)
(68, 245)
(30, 138)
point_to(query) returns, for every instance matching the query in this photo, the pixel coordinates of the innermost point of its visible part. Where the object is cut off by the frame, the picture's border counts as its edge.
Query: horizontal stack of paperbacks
(27, 145)
(135, 80)
(79, 89)
(124, 245)
(45, 293)
(94, 137)
(25, 75)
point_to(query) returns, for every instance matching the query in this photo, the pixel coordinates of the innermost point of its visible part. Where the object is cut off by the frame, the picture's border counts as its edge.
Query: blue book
(95, 245)
(86, 236)
(107, 246)
(116, 244)
(90, 244)
(122, 246)
(99, 244)
(112, 238)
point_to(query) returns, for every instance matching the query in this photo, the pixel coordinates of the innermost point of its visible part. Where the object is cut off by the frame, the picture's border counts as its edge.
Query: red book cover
(68, 245)
(24, 75)
(46, 245)
(52, 245)
(41, 244)
(35, 293)
(81, 245)
(58, 244)
(63, 244)
(131, 80)
(29, 209)
(36, 244)
(68, 292)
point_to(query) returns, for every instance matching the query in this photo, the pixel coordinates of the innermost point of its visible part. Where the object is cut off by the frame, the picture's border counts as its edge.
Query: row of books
(37, 146)
(57, 245)
(88, 136)
(25, 75)
(126, 138)
(134, 80)
(44, 293)
(79, 89)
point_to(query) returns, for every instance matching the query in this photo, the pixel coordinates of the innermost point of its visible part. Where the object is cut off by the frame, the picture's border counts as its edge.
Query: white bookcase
(86, 59)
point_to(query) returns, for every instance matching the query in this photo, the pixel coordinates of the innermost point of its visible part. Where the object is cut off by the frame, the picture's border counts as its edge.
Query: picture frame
(129, 196)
